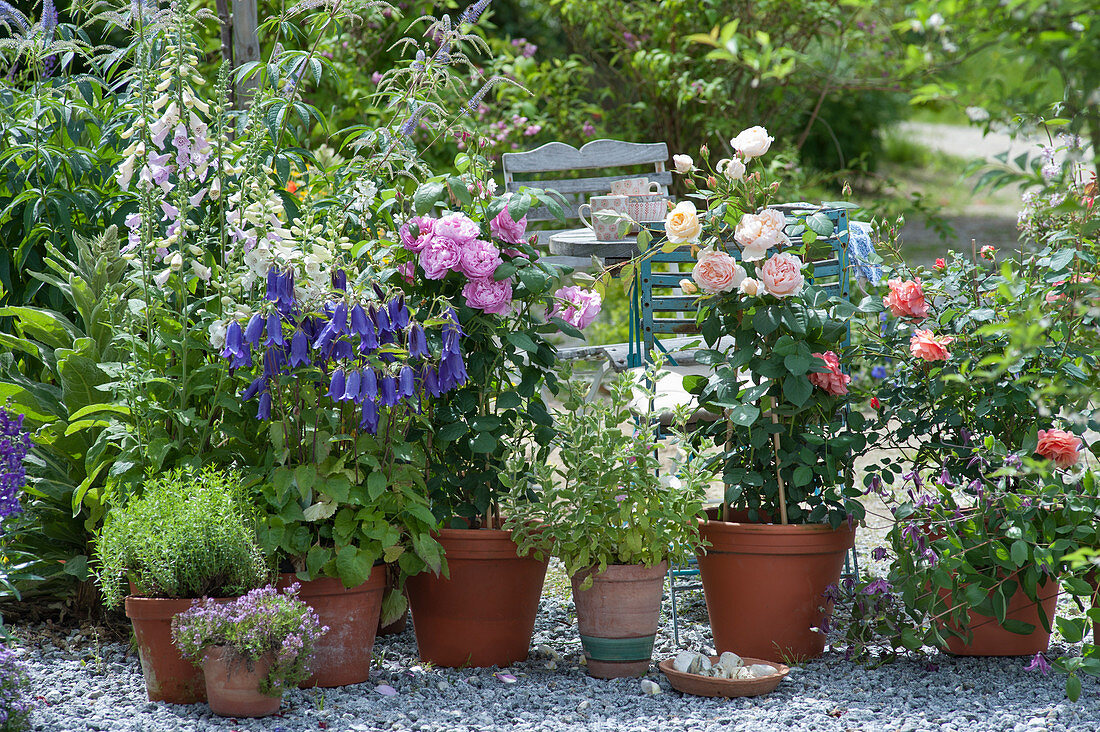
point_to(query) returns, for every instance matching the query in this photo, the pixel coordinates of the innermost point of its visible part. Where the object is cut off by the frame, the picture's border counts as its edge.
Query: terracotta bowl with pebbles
(709, 686)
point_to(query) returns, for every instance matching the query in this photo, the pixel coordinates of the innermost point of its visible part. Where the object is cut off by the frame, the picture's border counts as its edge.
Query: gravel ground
(84, 685)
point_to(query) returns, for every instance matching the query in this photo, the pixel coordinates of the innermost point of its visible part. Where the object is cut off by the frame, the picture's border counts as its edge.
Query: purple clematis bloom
(336, 386)
(264, 412)
(299, 350)
(253, 388)
(340, 280)
(351, 386)
(418, 342)
(388, 391)
(274, 330)
(368, 386)
(340, 319)
(254, 331)
(407, 382)
(431, 383)
(398, 312)
(1039, 663)
(369, 420)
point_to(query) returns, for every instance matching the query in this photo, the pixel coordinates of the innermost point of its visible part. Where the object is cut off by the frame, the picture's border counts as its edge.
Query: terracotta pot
(397, 626)
(485, 613)
(990, 639)
(764, 585)
(344, 652)
(233, 685)
(618, 618)
(169, 677)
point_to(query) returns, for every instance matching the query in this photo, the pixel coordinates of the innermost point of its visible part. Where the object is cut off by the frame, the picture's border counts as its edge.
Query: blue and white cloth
(861, 251)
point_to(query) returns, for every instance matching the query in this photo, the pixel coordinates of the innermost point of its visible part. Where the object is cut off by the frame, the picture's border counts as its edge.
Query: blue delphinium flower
(878, 372)
(14, 445)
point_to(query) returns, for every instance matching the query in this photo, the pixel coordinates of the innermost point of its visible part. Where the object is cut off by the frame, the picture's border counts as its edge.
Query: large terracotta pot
(343, 653)
(169, 677)
(618, 617)
(485, 613)
(991, 639)
(233, 685)
(764, 585)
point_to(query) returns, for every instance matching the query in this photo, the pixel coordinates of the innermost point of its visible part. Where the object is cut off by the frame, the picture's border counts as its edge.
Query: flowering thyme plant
(775, 343)
(261, 624)
(15, 692)
(609, 501)
(14, 444)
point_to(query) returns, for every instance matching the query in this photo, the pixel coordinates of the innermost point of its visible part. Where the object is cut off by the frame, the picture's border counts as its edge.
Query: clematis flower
(369, 385)
(264, 411)
(418, 342)
(407, 382)
(253, 389)
(1039, 663)
(336, 385)
(388, 391)
(299, 350)
(274, 330)
(255, 330)
(369, 420)
(352, 391)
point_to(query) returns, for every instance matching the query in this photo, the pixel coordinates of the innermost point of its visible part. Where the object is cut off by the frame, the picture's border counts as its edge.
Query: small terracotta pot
(169, 677)
(765, 584)
(991, 639)
(343, 654)
(233, 685)
(485, 613)
(618, 617)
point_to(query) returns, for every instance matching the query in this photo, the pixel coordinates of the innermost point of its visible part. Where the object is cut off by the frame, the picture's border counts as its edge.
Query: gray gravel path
(82, 686)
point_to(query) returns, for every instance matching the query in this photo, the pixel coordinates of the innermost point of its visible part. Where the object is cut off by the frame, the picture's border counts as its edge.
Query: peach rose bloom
(682, 224)
(757, 233)
(716, 272)
(833, 381)
(924, 345)
(782, 275)
(1060, 446)
(906, 299)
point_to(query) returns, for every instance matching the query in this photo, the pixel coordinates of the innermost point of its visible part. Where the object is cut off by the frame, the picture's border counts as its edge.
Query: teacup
(647, 207)
(605, 230)
(634, 186)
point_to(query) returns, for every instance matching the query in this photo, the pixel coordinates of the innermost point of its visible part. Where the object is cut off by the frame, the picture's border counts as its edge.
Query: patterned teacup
(605, 230)
(647, 207)
(634, 186)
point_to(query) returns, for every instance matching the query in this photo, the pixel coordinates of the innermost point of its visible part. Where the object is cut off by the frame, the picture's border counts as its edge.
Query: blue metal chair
(660, 308)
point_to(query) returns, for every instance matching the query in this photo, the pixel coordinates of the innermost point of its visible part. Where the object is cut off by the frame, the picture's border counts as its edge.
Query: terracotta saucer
(729, 688)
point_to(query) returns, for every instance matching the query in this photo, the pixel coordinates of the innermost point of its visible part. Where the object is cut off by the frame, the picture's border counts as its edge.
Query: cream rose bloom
(749, 286)
(716, 272)
(733, 169)
(682, 224)
(757, 233)
(752, 143)
(683, 163)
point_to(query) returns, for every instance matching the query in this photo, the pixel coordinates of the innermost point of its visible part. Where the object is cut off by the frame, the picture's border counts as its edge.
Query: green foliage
(189, 534)
(607, 503)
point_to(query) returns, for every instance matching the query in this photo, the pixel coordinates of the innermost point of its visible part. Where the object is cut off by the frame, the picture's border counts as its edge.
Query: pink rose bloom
(757, 233)
(439, 256)
(832, 381)
(425, 226)
(924, 345)
(1060, 446)
(457, 226)
(504, 228)
(488, 295)
(782, 275)
(407, 270)
(906, 299)
(716, 272)
(576, 306)
(479, 259)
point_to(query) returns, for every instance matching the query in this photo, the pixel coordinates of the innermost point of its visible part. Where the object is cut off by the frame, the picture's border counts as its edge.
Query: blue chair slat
(672, 279)
(676, 303)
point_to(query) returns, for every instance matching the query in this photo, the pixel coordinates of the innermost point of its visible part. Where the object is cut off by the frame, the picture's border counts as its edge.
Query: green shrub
(190, 534)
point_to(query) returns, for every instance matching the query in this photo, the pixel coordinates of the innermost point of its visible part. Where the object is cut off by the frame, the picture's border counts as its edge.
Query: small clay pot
(484, 614)
(618, 618)
(989, 638)
(343, 654)
(233, 685)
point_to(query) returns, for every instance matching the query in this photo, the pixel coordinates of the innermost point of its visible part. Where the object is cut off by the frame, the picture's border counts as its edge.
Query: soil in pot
(343, 654)
(991, 639)
(765, 585)
(484, 614)
(618, 618)
(233, 685)
(169, 677)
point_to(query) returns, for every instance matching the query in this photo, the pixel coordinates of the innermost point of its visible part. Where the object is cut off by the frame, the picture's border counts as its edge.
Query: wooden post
(778, 476)
(246, 47)
(226, 23)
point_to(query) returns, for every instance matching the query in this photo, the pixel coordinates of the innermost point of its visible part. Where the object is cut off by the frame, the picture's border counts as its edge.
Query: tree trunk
(246, 47)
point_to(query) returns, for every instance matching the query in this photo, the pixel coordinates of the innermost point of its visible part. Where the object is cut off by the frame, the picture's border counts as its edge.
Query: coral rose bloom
(927, 346)
(782, 275)
(716, 272)
(906, 299)
(682, 224)
(1060, 446)
(833, 381)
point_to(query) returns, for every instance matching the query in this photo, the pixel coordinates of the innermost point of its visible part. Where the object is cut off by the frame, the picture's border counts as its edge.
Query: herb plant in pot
(342, 373)
(481, 611)
(251, 649)
(775, 347)
(190, 534)
(611, 516)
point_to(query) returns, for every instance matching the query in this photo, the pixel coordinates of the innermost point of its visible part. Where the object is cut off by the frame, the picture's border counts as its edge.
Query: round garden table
(582, 243)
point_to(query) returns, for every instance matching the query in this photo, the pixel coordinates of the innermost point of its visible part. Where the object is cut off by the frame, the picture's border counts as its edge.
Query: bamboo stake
(778, 477)
(729, 442)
